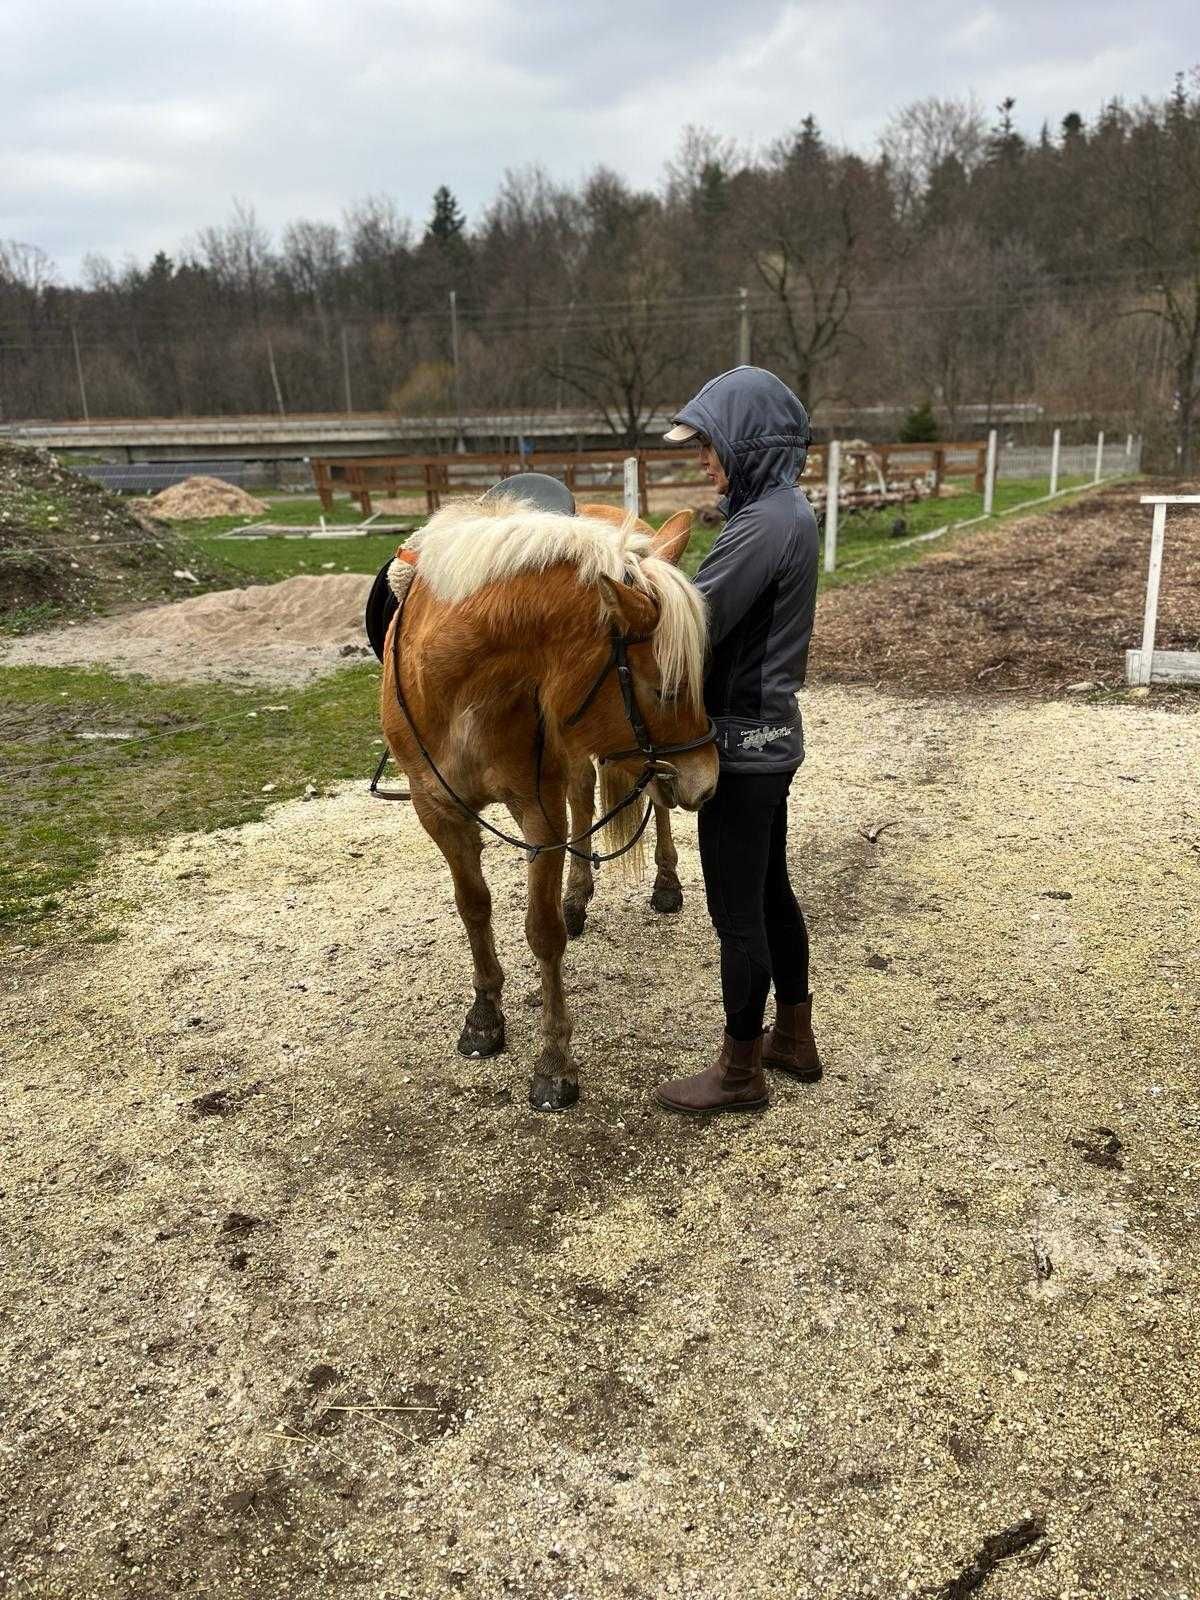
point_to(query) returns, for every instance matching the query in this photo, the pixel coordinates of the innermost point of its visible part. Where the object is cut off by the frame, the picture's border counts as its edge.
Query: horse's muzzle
(687, 785)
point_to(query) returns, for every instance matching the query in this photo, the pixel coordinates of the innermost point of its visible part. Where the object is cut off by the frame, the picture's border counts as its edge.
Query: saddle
(537, 489)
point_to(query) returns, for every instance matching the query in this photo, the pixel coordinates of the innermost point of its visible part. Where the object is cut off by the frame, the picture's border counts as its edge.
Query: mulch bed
(1038, 603)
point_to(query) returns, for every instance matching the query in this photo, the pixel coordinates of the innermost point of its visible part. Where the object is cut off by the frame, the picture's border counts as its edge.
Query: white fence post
(1099, 457)
(989, 477)
(1128, 444)
(833, 473)
(632, 498)
(1150, 620)
(1055, 452)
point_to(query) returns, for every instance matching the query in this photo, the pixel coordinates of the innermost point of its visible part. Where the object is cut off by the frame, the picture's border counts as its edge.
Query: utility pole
(275, 377)
(79, 373)
(743, 342)
(346, 370)
(461, 446)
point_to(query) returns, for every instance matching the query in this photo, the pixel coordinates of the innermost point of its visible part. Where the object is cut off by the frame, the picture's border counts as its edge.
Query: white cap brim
(680, 433)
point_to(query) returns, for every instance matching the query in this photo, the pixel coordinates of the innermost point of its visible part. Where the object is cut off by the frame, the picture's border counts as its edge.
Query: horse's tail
(614, 786)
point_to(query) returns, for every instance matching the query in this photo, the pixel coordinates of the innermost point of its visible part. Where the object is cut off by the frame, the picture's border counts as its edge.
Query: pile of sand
(278, 633)
(202, 497)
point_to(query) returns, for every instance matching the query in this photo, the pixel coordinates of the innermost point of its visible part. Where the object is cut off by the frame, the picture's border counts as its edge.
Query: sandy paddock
(298, 1302)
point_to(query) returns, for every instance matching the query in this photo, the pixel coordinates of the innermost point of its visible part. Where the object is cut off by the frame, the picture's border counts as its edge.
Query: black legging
(743, 850)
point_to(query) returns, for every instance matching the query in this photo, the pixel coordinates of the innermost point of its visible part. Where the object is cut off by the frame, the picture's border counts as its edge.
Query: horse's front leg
(581, 884)
(555, 1084)
(457, 837)
(668, 894)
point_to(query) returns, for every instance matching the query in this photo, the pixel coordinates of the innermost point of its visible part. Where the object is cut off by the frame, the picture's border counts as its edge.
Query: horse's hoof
(575, 917)
(478, 1045)
(667, 897)
(552, 1094)
(483, 1031)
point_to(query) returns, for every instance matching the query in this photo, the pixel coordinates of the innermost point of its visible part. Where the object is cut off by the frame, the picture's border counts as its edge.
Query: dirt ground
(1037, 603)
(69, 547)
(297, 1301)
(279, 635)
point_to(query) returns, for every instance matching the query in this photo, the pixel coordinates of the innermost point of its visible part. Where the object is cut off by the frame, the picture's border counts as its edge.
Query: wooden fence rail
(601, 471)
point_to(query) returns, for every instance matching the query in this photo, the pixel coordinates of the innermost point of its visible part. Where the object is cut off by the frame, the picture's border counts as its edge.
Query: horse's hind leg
(668, 894)
(581, 885)
(458, 839)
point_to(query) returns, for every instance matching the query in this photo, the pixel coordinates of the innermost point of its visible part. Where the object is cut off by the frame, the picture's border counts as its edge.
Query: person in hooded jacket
(760, 584)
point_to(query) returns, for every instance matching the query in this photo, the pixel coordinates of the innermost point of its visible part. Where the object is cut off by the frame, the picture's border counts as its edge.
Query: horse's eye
(665, 699)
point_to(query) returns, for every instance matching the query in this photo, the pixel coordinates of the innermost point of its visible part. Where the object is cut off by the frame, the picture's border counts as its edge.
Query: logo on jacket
(759, 738)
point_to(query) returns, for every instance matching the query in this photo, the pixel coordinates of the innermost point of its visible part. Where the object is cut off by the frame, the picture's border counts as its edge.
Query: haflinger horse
(527, 645)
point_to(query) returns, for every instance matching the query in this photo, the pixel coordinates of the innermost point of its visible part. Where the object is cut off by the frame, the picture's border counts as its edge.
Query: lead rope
(531, 851)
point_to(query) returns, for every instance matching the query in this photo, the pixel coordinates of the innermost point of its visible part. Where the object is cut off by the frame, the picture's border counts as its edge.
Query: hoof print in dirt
(1101, 1148)
(234, 1229)
(213, 1104)
(552, 1094)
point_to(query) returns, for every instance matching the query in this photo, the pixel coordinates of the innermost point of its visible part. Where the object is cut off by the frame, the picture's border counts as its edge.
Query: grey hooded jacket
(760, 577)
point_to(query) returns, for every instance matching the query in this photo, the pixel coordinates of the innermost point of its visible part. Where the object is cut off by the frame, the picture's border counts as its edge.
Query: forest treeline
(962, 264)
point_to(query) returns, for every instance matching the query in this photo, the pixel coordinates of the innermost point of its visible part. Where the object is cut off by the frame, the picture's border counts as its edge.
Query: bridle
(652, 754)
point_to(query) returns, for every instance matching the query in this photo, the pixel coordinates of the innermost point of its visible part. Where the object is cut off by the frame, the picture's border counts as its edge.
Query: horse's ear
(630, 609)
(672, 538)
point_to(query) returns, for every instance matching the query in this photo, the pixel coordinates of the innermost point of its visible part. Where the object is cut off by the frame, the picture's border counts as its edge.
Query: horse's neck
(474, 655)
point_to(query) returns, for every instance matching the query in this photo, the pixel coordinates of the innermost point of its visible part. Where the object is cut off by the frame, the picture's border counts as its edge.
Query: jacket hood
(758, 428)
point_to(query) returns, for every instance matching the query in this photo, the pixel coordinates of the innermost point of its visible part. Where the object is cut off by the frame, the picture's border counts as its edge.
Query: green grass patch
(29, 618)
(271, 559)
(868, 534)
(191, 757)
(40, 510)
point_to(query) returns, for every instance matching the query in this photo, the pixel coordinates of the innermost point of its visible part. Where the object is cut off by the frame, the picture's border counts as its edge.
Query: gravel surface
(296, 1301)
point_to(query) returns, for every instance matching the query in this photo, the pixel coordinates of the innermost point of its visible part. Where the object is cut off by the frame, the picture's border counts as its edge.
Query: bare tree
(970, 307)
(237, 255)
(920, 137)
(812, 223)
(619, 349)
(1158, 180)
(26, 269)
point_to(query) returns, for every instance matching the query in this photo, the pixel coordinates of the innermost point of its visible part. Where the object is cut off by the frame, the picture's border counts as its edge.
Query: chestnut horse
(508, 627)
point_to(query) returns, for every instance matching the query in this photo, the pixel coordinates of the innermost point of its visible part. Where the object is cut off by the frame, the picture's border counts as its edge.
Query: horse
(527, 645)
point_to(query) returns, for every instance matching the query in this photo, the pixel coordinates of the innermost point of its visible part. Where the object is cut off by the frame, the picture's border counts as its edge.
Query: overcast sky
(125, 126)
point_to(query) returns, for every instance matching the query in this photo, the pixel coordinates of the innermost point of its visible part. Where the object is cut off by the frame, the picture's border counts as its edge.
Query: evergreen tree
(1005, 143)
(920, 425)
(447, 222)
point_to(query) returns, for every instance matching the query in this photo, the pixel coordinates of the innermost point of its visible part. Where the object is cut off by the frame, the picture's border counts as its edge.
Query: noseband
(652, 754)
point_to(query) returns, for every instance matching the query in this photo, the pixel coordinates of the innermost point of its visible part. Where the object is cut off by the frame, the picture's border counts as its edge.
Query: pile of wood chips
(1041, 603)
(199, 497)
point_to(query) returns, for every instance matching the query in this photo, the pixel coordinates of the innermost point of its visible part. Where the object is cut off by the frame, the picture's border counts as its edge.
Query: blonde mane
(468, 545)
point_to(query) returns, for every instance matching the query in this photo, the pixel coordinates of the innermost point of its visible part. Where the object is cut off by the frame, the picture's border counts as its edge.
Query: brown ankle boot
(789, 1046)
(734, 1082)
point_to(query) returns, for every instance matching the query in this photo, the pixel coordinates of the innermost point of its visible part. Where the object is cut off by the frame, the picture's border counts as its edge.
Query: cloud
(128, 127)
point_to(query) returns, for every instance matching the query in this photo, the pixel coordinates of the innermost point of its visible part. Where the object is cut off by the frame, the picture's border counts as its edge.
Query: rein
(645, 746)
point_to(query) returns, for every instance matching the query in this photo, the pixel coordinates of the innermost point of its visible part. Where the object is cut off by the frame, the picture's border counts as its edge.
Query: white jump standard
(1149, 665)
